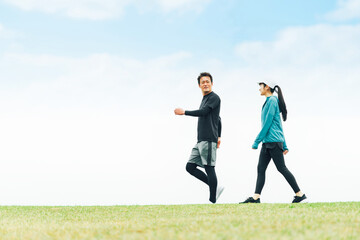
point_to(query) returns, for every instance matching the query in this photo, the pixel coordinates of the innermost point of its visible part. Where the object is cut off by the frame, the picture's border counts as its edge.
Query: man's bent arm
(219, 127)
(199, 113)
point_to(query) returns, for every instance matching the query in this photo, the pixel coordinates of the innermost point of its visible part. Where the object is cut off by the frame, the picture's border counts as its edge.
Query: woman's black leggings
(209, 178)
(273, 151)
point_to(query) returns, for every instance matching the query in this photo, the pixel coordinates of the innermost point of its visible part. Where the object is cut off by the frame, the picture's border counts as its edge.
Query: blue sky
(211, 32)
(88, 88)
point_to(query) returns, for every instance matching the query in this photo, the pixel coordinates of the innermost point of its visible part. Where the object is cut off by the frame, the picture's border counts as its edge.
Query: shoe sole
(221, 191)
(303, 201)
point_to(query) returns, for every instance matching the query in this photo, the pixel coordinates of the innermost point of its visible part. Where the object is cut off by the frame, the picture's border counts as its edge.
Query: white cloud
(321, 61)
(6, 33)
(2, 32)
(306, 46)
(348, 9)
(89, 9)
(96, 79)
(185, 5)
(104, 9)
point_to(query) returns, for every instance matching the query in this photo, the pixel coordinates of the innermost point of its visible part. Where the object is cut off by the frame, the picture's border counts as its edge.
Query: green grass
(219, 221)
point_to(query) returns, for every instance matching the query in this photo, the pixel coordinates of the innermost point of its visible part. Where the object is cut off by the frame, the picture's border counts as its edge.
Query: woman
(274, 145)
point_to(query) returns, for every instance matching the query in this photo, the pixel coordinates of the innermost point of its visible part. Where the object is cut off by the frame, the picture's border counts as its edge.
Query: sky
(88, 89)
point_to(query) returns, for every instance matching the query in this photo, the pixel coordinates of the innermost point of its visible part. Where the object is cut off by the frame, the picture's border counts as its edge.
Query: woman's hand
(285, 152)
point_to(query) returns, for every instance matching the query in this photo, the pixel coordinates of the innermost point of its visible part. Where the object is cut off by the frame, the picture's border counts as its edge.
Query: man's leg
(193, 170)
(194, 162)
(204, 154)
(212, 182)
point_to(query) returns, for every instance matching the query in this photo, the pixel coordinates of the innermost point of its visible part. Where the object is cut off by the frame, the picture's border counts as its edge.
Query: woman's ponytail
(282, 104)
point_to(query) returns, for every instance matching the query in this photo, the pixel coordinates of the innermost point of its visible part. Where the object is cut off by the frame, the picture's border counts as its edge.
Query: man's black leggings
(209, 178)
(273, 151)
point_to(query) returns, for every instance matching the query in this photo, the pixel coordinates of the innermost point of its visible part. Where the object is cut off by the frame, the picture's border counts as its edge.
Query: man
(209, 132)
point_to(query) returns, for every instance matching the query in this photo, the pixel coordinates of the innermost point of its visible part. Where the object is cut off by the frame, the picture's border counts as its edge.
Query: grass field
(219, 221)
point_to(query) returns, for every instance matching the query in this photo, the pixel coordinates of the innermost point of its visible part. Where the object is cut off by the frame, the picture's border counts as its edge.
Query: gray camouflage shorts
(204, 153)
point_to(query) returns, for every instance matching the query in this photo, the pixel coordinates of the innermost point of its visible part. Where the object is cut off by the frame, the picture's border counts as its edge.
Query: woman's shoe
(251, 200)
(302, 199)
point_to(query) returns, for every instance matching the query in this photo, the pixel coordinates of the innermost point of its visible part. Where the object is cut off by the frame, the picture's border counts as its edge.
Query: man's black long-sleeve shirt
(209, 122)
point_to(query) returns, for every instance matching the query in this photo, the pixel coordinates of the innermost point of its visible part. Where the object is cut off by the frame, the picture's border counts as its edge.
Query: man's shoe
(302, 199)
(251, 200)
(219, 191)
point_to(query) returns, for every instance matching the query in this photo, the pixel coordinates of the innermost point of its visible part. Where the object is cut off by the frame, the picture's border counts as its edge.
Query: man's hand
(219, 141)
(285, 152)
(179, 111)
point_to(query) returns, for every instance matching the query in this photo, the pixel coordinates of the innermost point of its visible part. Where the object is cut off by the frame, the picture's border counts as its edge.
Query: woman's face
(263, 89)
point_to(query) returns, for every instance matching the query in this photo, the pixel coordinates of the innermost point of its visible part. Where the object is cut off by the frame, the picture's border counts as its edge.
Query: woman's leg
(278, 158)
(264, 160)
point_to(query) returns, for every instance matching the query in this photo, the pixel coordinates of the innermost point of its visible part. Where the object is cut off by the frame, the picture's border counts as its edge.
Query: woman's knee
(283, 170)
(261, 170)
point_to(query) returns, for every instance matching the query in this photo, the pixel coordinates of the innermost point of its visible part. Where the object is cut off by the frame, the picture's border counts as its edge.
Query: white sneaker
(219, 191)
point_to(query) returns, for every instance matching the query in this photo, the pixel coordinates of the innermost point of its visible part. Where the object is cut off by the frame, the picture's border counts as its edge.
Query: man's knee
(209, 169)
(190, 167)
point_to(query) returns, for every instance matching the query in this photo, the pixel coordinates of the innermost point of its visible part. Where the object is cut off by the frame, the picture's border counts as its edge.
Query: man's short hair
(204, 74)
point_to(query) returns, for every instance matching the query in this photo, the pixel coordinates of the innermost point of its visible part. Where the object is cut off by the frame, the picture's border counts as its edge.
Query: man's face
(205, 85)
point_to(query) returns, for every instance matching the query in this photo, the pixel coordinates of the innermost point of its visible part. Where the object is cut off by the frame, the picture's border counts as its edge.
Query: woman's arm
(269, 109)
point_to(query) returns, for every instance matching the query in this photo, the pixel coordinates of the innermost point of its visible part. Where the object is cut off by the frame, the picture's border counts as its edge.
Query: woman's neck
(268, 94)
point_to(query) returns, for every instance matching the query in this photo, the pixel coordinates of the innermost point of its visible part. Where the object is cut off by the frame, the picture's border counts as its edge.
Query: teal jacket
(271, 130)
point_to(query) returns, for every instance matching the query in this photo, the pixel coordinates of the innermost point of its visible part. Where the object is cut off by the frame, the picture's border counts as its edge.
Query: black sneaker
(300, 199)
(251, 200)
